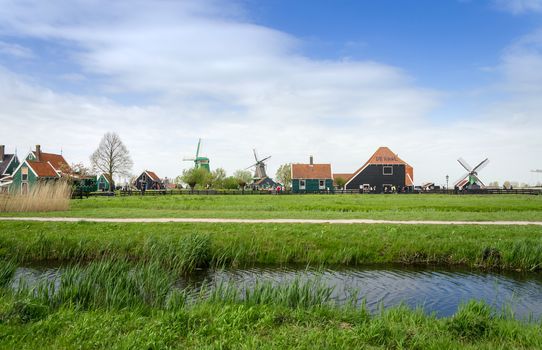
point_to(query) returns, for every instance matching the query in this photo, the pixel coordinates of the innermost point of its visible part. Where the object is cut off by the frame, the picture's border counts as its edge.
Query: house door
(24, 188)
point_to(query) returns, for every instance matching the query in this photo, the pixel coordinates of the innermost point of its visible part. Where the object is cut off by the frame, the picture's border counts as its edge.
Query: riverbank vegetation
(390, 207)
(207, 244)
(135, 301)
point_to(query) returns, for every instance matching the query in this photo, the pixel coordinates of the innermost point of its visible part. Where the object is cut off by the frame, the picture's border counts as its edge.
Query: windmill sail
(259, 167)
(470, 179)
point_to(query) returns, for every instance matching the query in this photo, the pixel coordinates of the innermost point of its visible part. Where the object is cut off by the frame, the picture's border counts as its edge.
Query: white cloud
(15, 50)
(215, 75)
(519, 6)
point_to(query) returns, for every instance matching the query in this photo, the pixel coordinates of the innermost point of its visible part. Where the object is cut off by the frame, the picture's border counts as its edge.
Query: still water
(437, 290)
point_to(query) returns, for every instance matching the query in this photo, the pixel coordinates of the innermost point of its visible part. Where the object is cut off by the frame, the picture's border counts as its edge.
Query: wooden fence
(80, 194)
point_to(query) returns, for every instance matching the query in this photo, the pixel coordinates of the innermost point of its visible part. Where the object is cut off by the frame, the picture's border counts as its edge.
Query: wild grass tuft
(48, 196)
(182, 255)
(526, 253)
(7, 269)
(111, 284)
(293, 294)
(472, 321)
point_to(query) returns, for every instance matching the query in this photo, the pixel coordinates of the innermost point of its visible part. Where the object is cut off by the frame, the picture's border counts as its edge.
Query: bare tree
(112, 157)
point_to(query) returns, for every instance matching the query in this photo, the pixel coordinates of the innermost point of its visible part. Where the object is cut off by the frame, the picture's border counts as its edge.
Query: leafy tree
(284, 175)
(243, 177)
(195, 176)
(340, 182)
(230, 183)
(217, 178)
(506, 184)
(111, 157)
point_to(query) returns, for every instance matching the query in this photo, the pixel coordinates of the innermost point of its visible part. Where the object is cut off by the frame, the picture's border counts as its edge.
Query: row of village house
(39, 166)
(383, 172)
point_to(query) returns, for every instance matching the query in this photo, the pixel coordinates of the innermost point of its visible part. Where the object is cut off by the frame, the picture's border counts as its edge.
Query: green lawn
(392, 207)
(507, 247)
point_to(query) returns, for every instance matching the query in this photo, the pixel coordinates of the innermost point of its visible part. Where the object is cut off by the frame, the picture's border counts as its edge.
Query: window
(301, 184)
(24, 174)
(387, 170)
(322, 184)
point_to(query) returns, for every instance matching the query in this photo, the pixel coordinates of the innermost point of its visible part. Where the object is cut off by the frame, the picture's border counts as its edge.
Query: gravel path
(273, 221)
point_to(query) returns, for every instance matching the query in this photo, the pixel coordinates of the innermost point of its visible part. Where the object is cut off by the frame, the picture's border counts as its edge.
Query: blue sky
(433, 80)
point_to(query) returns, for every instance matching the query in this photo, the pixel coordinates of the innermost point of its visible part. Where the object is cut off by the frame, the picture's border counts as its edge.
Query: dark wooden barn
(148, 180)
(383, 172)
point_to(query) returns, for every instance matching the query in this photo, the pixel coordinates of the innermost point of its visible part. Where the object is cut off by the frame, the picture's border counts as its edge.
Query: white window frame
(23, 170)
(322, 184)
(302, 184)
(384, 170)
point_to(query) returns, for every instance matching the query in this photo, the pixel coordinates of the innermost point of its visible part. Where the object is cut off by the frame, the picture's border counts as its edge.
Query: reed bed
(43, 197)
(121, 284)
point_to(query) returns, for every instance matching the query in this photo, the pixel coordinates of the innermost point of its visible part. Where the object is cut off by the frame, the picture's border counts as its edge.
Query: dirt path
(273, 221)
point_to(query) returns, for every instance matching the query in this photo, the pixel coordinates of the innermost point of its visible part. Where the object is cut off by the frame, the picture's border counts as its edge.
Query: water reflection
(435, 289)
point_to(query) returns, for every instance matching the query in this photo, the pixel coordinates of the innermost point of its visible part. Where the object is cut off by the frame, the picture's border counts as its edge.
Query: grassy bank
(190, 245)
(395, 207)
(132, 300)
(240, 326)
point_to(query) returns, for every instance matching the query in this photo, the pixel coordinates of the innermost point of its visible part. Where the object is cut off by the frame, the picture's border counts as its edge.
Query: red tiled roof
(153, 175)
(314, 171)
(56, 160)
(42, 169)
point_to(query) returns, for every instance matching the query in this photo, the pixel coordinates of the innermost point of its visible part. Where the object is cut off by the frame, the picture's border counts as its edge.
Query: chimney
(311, 160)
(1, 153)
(38, 153)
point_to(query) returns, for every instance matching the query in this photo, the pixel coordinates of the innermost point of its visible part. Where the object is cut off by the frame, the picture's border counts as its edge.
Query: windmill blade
(461, 178)
(255, 155)
(263, 160)
(197, 150)
(190, 159)
(252, 166)
(478, 180)
(481, 165)
(464, 164)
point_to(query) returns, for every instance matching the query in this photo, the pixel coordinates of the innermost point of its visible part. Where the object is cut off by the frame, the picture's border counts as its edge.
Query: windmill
(199, 162)
(471, 179)
(259, 167)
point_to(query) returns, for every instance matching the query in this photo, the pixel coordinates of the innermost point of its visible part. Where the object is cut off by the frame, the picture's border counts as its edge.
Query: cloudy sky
(432, 80)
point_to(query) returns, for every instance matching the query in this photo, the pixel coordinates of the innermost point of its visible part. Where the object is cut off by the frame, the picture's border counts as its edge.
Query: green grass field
(392, 207)
(507, 247)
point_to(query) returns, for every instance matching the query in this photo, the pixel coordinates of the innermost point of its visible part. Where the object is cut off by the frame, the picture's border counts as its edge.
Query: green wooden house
(307, 178)
(38, 167)
(8, 164)
(104, 183)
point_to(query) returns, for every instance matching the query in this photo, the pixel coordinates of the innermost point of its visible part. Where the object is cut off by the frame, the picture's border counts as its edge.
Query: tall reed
(7, 269)
(119, 284)
(44, 196)
(296, 293)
